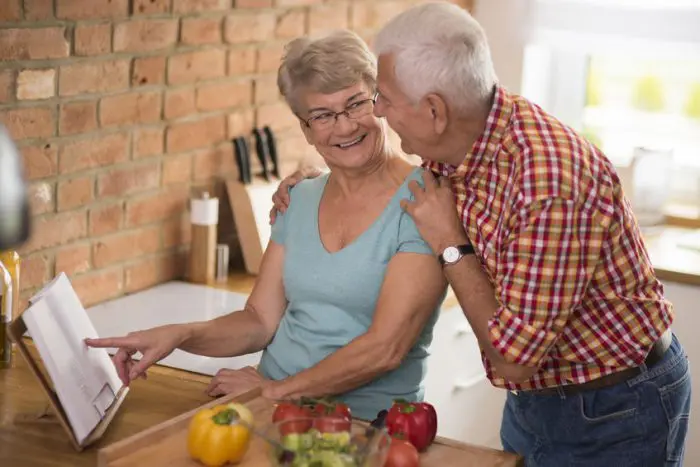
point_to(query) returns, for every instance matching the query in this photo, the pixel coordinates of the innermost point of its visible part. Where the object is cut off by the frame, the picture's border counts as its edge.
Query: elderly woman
(348, 291)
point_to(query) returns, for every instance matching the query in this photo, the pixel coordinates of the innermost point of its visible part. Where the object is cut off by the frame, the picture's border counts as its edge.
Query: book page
(85, 379)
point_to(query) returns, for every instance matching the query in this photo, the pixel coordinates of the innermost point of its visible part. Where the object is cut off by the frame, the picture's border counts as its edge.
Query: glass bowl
(328, 442)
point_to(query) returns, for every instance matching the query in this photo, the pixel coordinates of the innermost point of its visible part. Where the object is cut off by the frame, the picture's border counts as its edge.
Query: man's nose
(379, 109)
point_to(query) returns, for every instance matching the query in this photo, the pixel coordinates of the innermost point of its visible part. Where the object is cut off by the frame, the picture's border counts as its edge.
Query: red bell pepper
(413, 421)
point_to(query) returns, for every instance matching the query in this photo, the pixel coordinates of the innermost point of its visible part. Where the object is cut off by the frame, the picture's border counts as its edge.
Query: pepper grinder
(204, 218)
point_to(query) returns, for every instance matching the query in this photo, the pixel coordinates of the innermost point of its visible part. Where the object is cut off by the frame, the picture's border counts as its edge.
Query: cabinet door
(686, 325)
(469, 408)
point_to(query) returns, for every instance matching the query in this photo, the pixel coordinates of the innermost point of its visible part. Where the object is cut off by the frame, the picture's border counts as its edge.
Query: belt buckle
(514, 392)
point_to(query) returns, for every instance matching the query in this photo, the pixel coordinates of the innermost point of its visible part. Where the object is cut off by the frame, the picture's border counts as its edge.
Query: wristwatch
(452, 254)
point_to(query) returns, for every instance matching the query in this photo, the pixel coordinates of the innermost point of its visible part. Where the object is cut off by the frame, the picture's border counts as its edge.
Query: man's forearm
(477, 298)
(237, 333)
(359, 362)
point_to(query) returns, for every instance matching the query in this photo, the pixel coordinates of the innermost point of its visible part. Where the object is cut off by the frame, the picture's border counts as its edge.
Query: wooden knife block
(251, 204)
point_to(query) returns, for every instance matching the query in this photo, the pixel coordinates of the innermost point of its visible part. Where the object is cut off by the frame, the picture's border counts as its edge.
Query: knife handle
(261, 150)
(238, 153)
(242, 158)
(272, 150)
(246, 158)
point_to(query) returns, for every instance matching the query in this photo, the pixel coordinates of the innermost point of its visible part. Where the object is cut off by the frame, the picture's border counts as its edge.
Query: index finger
(430, 180)
(121, 342)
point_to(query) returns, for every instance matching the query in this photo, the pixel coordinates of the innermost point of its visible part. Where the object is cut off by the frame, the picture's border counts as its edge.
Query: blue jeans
(637, 423)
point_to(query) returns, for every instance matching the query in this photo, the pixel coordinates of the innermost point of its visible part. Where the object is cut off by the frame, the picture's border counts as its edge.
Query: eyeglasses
(325, 120)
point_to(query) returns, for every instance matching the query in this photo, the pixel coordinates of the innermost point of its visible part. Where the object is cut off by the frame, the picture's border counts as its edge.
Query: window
(626, 73)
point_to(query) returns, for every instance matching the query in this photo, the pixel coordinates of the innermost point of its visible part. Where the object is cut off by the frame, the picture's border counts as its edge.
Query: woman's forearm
(234, 334)
(361, 361)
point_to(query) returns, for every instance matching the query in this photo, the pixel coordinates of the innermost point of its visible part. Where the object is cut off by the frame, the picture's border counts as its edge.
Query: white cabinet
(469, 408)
(686, 325)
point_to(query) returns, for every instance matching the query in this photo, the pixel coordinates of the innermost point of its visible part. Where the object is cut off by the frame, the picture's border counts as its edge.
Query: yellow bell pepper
(215, 438)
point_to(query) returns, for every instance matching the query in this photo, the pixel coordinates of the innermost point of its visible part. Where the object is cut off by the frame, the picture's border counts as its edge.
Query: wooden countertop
(28, 439)
(672, 262)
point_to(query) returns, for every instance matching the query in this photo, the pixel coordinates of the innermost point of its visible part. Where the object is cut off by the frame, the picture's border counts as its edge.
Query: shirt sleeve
(277, 230)
(545, 268)
(410, 240)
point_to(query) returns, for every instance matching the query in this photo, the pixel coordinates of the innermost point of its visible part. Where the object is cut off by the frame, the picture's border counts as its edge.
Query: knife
(242, 159)
(261, 149)
(272, 150)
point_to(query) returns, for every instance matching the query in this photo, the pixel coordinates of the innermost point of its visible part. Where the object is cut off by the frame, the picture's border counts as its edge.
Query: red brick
(190, 67)
(93, 9)
(328, 17)
(167, 203)
(94, 152)
(177, 169)
(11, 10)
(75, 192)
(41, 198)
(148, 70)
(106, 219)
(153, 271)
(128, 180)
(253, 3)
(93, 39)
(213, 163)
(29, 122)
(291, 24)
(196, 31)
(179, 102)
(33, 44)
(285, 3)
(40, 161)
(37, 10)
(148, 141)
(200, 133)
(57, 229)
(34, 271)
(369, 15)
(95, 287)
(277, 115)
(145, 35)
(124, 246)
(223, 95)
(36, 84)
(240, 123)
(270, 58)
(147, 7)
(241, 28)
(177, 231)
(266, 90)
(190, 6)
(92, 77)
(242, 61)
(130, 109)
(77, 117)
(7, 80)
(74, 259)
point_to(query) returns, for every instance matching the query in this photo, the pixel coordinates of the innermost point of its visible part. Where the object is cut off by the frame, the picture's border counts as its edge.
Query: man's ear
(438, 112)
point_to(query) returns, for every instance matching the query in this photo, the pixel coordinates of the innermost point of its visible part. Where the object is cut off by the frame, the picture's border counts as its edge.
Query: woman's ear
(438, 112)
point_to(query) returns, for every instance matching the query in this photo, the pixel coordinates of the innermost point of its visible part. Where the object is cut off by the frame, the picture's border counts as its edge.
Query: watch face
(451, 254)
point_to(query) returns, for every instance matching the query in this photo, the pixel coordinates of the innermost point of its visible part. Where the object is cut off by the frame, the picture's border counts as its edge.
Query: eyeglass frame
(345, 112)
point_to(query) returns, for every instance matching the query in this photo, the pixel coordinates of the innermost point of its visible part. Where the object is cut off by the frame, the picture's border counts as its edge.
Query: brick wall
(123, 108)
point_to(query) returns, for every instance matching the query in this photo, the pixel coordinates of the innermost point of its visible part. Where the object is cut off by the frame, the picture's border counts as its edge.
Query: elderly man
(543, 253)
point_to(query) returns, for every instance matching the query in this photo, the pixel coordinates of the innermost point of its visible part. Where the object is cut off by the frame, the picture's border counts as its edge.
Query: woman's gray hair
(440, 48)
(325, 65)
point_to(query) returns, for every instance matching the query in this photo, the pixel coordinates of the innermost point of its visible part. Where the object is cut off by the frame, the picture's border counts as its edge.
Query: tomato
(332, 424)
(292, 418)
(402, 454)
(333, 409)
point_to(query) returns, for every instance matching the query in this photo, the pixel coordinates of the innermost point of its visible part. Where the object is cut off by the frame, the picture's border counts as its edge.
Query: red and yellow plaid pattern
(546, 214)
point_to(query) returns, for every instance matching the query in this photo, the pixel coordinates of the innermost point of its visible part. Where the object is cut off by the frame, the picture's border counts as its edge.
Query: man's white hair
(439, 47)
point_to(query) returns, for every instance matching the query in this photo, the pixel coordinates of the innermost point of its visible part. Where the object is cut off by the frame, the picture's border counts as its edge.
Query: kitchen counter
(673, 262)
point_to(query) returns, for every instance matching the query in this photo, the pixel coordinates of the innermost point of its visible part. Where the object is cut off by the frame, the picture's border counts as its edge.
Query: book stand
(16, 332)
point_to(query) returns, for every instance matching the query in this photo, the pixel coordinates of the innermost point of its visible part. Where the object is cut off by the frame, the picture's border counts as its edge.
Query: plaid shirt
(545, 211)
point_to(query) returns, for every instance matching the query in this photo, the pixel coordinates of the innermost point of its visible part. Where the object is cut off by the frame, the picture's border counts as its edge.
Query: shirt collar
(486, 146)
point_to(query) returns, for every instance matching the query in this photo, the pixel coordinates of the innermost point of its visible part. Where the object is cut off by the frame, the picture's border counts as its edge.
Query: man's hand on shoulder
(280, 198)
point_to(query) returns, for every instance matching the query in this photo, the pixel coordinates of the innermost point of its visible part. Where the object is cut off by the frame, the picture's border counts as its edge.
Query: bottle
(204, 219)
(9, 302)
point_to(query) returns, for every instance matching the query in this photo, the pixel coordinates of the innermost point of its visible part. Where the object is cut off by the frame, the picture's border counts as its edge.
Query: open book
(84, 379)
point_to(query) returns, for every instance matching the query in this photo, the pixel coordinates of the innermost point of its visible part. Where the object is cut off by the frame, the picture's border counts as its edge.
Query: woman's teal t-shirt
(332, 296)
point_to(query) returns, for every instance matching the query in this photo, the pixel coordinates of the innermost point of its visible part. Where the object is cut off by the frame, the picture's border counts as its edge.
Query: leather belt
(657, 352)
